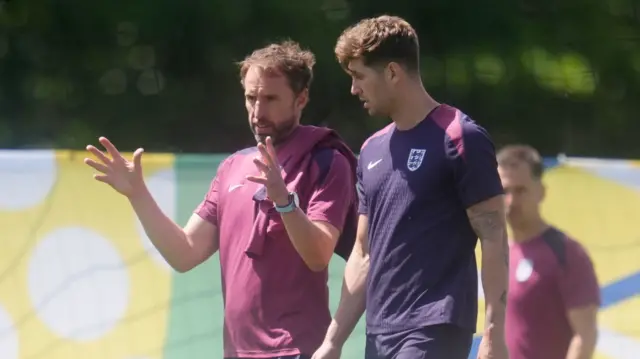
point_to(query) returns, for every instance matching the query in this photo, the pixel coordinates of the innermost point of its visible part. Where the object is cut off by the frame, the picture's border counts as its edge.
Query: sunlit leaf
(489, 68)
(578, 75)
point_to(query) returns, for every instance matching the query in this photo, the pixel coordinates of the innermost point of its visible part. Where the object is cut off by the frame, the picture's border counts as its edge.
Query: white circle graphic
(78, 283)
(26, 178)
(524, 270)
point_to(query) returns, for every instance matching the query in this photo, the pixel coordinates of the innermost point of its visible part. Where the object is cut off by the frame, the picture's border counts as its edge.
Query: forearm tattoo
(503, 298)
(489, 225)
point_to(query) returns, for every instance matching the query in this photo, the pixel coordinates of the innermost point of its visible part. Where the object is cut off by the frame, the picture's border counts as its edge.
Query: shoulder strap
(556, 241)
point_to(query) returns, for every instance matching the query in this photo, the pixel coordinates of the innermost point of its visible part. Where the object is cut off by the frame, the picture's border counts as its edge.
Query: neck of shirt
(411, 114)
(530, 231)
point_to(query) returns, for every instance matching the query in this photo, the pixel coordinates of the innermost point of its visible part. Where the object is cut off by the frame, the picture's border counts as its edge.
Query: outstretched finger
(96, 166)
(102, 178)
(262, 167)
(272, 151)
(113, 151)
(256, 179)
(99, 154)
(137, 159)
(266, 157)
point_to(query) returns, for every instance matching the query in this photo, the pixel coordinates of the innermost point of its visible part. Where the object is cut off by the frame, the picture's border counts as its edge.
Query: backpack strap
(556, 241)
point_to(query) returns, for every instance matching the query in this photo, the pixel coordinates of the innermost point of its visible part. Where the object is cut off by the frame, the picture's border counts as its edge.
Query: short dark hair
(287, 58)
(378, 41)
(513, 155)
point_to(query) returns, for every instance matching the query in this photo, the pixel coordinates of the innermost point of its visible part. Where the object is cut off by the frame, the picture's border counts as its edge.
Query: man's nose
(354, 88)
(259, 111)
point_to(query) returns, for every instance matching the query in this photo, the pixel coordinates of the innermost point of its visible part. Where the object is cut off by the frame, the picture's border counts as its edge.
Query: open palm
(121, 174)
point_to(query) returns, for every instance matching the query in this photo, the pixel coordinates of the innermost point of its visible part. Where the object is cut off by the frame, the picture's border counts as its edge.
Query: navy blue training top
(415, 187)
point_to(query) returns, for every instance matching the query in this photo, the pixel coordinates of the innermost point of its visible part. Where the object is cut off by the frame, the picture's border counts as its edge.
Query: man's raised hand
(121, 174)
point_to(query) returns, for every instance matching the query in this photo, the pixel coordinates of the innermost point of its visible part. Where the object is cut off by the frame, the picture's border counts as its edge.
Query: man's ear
(393, 72)
(302, 99)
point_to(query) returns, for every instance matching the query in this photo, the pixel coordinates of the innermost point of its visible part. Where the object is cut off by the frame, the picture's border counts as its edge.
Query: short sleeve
(208, 208)
(475, 165)
(577, 280)
(363, 206)
(332, 197)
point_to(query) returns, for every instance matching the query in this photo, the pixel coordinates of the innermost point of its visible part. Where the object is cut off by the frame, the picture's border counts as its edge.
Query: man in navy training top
(553, 290)
(429, 187)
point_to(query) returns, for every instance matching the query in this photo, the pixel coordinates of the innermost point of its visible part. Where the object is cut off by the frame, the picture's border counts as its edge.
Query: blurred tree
(563, 75)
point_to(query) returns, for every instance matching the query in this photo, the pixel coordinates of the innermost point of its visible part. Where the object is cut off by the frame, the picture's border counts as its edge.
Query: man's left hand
(271, 176)
(492, 345)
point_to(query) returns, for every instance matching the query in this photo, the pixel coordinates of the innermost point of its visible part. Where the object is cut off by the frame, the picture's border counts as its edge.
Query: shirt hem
(204, 216)
(485, 197)
(386, 329)
(261, 353)
(315, 217)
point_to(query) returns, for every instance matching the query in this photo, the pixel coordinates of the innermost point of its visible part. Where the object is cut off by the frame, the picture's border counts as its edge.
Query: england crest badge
(415, 159)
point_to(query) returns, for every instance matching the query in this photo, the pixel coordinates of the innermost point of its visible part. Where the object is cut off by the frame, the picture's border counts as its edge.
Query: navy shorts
(443, 341)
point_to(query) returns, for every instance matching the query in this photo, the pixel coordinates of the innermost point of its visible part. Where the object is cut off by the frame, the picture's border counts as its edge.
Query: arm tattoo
(489, 225)
(506, 249)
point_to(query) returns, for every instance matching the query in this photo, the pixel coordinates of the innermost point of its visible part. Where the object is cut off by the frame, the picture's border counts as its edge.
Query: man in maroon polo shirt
(275, 212)
(553, 297)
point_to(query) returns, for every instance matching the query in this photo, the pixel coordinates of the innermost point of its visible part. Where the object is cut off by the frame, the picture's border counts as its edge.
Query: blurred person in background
(428, 188)
(553, 290)
(275, 212)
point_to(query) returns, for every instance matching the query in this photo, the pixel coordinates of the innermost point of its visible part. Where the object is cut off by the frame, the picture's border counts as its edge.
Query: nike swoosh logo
(231, 188)
(373, 164)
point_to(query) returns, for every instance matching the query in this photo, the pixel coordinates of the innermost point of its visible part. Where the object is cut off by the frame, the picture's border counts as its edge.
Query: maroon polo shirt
(548, 276)
(274, 305)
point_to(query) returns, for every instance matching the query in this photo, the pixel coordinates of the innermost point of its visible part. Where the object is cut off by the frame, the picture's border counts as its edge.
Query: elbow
(184, 263)
(590, 338)
(319, 262)
(317, 268)
(319, 256)
(586, 339)
(318, 265)
(181, 267)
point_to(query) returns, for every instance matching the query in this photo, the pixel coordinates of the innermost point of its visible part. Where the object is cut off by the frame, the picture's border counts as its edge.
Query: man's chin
(373, 112)
(262, 138)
